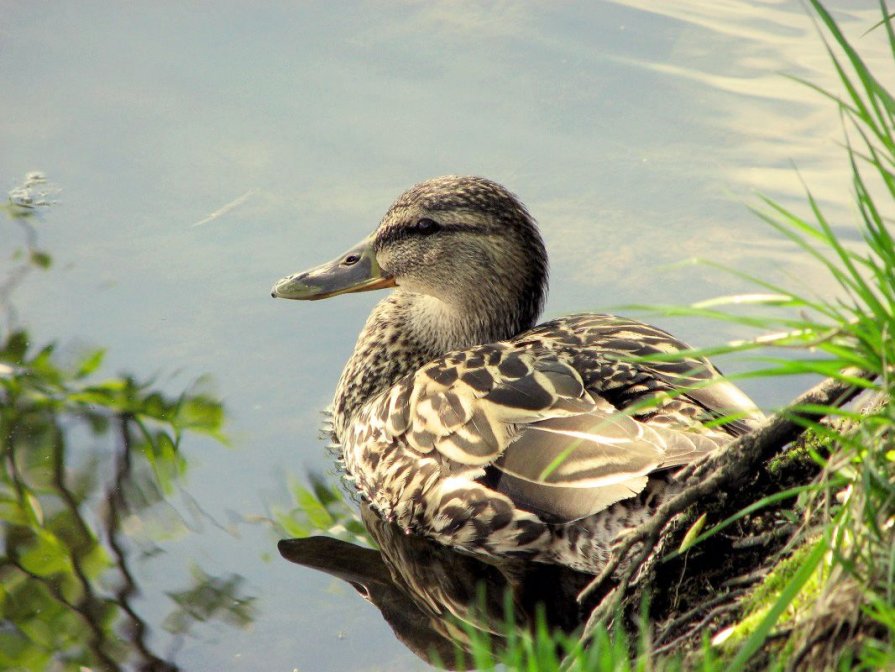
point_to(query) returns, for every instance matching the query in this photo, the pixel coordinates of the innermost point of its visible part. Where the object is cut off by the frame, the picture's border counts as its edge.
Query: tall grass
(847, 610)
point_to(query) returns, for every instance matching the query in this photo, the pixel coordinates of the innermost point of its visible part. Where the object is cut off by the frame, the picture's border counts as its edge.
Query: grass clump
(836, 608)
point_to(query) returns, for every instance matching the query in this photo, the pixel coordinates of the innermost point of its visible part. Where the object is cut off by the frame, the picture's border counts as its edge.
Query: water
(204, 151)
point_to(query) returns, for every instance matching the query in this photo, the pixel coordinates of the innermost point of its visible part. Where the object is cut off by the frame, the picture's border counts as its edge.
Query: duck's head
(465, 241)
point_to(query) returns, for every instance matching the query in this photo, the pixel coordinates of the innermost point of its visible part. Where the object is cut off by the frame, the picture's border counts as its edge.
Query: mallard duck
(457, 418)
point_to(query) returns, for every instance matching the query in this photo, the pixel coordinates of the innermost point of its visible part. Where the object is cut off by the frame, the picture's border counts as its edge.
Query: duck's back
(644, 371)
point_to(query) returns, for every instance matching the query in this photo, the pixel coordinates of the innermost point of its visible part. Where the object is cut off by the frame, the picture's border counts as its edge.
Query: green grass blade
(879, 98)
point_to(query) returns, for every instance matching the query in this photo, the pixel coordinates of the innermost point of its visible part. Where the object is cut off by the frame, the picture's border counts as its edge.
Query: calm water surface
(205, 150)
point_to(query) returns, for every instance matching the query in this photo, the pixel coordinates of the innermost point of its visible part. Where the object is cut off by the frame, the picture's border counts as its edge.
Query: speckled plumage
(460, 420)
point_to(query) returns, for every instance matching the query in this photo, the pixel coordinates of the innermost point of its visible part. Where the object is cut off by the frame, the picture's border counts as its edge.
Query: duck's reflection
(427, 592)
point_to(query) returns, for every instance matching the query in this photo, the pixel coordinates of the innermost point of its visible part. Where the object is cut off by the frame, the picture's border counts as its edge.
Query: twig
(747, 579)
(764, 538)
(688, 615)
(720, 609)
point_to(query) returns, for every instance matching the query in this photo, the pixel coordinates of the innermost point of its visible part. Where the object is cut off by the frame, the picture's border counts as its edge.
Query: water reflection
(86, 466)
(432, 596)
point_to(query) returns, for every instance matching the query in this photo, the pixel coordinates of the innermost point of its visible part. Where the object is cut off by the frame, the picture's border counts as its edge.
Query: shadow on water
(84, 466)
(434, 598)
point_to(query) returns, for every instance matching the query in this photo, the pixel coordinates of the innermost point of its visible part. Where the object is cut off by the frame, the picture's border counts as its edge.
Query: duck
(460, 418)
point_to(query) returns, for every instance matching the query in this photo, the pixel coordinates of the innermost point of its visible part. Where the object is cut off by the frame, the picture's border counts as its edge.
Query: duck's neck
(407, 330)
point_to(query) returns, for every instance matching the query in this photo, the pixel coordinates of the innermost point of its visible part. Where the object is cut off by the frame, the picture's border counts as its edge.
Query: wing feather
(470, 417)
(569, 468)
(557, 446)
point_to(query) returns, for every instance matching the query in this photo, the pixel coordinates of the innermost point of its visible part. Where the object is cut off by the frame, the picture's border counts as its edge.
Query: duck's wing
(621, 360)
(572, 467)
(557, 450)
(468, 405)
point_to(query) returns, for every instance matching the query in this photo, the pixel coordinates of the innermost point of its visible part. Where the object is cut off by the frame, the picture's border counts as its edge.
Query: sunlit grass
(854, 554)
(544, 648)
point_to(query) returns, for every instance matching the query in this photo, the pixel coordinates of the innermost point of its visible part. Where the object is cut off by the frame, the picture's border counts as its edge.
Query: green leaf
(47, 556)
(291, 526)
(40, 259)
(200, 413)
(90, 363)
(317, 514)
(15, 347)
(12, 513)
(690, 537)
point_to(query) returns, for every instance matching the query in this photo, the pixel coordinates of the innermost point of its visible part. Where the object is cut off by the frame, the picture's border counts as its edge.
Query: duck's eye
(426, 226)
(351, 260)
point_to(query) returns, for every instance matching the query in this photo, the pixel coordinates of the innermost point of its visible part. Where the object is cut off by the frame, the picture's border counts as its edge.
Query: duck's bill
(353, 271)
